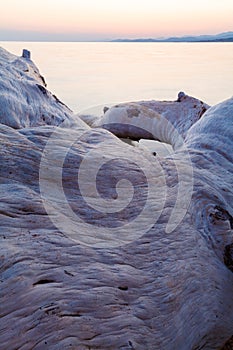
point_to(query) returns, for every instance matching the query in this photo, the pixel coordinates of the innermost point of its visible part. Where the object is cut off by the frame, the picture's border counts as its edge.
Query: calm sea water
(84, 75)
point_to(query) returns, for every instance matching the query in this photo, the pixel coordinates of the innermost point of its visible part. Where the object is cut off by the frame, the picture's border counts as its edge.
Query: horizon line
(174, 38)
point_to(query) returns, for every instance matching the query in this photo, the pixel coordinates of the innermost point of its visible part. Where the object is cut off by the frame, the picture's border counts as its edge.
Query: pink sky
(109, 19)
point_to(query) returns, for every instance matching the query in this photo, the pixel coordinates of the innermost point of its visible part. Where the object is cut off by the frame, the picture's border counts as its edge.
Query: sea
(89, 75)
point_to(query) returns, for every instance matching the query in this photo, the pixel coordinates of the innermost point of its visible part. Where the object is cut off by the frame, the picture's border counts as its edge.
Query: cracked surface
(169, 291)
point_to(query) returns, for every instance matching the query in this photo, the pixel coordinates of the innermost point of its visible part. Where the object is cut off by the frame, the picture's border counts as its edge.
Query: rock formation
(104, 246)
(25, 101)
(159, 120)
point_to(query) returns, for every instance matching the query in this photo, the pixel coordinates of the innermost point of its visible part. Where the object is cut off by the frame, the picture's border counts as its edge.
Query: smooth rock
(155, 120)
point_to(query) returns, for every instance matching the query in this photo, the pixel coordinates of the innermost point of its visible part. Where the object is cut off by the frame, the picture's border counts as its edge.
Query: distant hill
(222, 37)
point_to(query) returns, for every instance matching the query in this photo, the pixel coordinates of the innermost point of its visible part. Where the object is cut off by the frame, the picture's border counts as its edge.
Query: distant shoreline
(153, 41)
(169, 41)
(222, 37)
(213, 38)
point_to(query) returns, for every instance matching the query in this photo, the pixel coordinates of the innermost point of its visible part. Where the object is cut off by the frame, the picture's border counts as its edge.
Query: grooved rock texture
(104, 246)
(25, 100)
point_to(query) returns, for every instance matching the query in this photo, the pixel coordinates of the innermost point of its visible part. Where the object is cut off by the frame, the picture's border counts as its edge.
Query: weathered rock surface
(25, 101)
(81, 271)
(152, 119)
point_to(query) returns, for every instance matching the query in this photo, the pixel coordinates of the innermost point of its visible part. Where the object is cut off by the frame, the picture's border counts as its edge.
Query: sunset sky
(82, 20)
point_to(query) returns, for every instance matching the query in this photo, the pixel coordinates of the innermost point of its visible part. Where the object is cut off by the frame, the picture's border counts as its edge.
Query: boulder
(155, 120)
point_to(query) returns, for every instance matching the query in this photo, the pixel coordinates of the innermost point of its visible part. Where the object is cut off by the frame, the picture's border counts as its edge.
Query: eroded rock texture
(152, 119)
(25, 100)
(79, 271)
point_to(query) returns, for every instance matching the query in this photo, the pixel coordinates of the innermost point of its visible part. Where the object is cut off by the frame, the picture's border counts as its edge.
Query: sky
(93, 20)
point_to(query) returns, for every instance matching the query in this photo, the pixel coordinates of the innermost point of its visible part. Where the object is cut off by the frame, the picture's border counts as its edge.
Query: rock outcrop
(155, 120)
(25, 100)
(104, 246)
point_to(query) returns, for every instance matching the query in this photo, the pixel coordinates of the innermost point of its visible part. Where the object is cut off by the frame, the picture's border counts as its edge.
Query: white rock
(25, 100)
(158, 120)
(80, 272)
